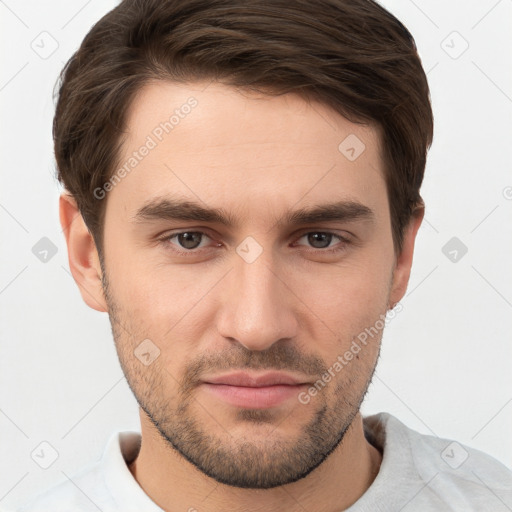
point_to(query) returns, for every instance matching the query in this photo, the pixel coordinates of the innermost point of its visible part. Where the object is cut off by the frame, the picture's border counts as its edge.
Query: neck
(175, 484)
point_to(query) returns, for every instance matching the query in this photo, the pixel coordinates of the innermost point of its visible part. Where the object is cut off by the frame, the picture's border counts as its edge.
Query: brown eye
(322, 240)
(185, 241)
(189, 239)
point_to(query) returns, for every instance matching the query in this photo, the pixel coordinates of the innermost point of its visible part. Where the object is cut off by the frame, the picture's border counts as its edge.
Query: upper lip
(255, 380)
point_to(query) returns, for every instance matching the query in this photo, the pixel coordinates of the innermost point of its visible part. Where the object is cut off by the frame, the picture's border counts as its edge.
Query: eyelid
(167, 239)
(344, 235)
(343, 242)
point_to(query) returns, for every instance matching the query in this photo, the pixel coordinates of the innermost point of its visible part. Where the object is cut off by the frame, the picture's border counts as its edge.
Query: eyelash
(167, 238)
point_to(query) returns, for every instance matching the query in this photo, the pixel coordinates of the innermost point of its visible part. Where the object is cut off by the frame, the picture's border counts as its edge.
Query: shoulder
(82, 492)
(89, 489)
(445, 470)
(106, 485)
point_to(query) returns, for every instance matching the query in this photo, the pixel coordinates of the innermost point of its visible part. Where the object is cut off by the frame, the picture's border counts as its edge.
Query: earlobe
(82, 253)
(404, 260)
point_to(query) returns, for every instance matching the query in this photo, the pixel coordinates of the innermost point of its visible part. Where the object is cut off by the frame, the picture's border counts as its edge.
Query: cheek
(170, 306)
(349, 302)
(347, 290)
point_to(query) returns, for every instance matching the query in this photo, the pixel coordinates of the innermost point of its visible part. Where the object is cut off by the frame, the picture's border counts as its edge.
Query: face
(219, 258)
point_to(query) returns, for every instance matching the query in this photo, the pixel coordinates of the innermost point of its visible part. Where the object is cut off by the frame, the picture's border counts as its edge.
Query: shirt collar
(121, 449)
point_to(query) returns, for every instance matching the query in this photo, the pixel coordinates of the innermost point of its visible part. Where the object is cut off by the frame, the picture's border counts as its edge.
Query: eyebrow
(186, 210)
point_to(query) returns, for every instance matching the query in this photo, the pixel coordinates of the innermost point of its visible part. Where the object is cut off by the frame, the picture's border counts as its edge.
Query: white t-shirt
(418, 473)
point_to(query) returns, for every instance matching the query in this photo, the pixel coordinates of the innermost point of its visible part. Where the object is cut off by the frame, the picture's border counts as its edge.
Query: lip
(255, 380)
(254, 391)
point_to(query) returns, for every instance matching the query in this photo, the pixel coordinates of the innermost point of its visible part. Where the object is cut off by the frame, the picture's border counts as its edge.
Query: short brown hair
(351, 55)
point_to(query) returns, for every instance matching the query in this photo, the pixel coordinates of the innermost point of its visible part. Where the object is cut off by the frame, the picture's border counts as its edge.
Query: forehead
(222, 146)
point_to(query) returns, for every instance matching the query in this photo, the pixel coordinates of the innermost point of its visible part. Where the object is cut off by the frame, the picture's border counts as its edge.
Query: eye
(322, 240)
(188, 240)
(191, 242)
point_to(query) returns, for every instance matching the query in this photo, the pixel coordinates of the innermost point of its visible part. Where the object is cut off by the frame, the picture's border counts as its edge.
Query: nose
(258, 306)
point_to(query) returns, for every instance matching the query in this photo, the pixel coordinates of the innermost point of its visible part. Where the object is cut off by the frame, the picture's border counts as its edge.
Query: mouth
(255, 391)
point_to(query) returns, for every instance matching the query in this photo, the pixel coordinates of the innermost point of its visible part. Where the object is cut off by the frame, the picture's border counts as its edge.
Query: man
(242, 197)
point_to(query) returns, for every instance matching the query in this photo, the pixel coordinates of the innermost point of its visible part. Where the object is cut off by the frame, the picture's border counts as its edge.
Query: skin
(295, 308)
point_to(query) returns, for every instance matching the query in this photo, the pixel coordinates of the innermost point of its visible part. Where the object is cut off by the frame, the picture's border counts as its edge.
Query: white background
(446, 359)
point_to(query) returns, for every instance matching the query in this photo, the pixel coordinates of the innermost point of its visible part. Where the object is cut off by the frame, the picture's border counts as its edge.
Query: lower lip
(254, 398)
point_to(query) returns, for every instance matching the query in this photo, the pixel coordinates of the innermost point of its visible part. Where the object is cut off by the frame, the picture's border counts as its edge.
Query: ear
(403, 261)
(83, 256)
